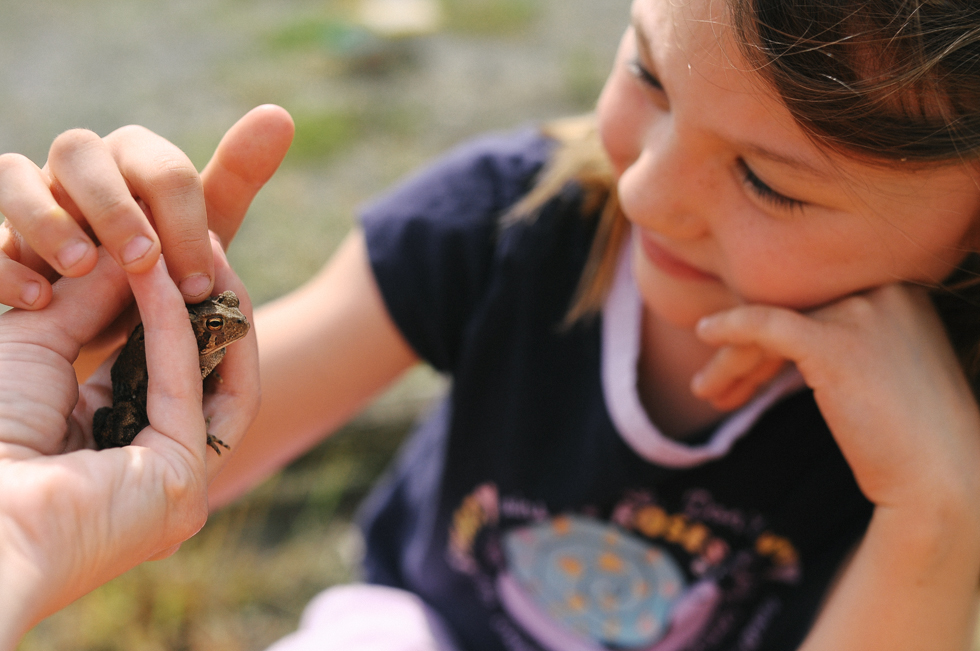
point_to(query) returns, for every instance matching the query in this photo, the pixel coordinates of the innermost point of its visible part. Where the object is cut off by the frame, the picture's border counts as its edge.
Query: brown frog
(217, 322)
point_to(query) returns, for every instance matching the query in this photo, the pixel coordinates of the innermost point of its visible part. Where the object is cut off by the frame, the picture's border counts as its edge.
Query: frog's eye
(215, 323)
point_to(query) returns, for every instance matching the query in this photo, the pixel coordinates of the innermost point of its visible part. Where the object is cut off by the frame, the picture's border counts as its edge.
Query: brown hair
(886, 79)
(882, 80)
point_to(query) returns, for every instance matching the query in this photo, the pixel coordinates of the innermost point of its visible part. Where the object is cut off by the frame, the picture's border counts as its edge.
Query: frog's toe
(214, 442)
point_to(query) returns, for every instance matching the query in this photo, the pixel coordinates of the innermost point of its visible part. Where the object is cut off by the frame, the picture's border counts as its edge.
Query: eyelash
(764, 192)
(637, 70)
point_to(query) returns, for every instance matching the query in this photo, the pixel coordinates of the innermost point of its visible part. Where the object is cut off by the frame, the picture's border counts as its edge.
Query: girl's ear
(972, 240)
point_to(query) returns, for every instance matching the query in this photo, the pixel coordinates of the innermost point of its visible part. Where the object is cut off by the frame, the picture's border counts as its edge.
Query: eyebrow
(795, 162)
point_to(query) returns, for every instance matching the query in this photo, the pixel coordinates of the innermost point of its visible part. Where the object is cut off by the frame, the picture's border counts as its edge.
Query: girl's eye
(764, 192)
(643, 74)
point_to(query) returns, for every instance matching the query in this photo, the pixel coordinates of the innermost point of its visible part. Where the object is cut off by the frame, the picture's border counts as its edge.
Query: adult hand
(71, 518)
(138, 194)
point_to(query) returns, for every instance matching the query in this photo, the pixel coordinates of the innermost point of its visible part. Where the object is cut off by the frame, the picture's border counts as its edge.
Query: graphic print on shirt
(644, 576)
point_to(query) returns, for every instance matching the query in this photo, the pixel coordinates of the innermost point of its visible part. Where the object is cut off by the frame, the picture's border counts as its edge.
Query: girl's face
(732, 203)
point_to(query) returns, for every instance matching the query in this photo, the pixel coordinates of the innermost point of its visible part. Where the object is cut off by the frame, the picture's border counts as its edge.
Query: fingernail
(195, 285)
(30, 292)
(136, 249)
(71, 253)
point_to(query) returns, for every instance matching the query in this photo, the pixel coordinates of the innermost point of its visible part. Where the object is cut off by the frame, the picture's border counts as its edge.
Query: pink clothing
(367, 618)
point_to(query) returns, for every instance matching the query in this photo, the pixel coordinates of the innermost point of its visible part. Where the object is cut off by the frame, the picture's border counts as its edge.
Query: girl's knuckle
(43, 221)
(113, 210)
(185, 241)
(175, 175)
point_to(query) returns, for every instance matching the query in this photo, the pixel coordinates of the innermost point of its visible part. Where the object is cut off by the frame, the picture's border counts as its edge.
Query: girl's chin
(678, 303)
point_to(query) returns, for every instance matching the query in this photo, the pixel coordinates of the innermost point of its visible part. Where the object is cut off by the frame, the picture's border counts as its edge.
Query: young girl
(629, 310)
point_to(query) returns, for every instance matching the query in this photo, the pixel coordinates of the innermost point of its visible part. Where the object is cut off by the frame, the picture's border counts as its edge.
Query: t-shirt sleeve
(431, 238)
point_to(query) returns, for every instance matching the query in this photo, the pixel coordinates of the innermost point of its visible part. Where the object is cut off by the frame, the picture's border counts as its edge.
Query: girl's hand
(72, 518)
(137, 194)
(888, 384)
(734, 374)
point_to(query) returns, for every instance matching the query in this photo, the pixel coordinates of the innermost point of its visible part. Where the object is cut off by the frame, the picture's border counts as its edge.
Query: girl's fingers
(247, 157)
(32, 211)
(743, 389)
(169, 192)
(84, 166)
(728, 364)
(780, 332)
(734, 375)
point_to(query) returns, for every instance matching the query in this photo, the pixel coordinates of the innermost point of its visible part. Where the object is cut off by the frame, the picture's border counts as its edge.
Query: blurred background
(377, 87)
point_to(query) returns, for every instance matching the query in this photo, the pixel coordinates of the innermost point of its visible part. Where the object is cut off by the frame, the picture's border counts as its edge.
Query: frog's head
(217, 322)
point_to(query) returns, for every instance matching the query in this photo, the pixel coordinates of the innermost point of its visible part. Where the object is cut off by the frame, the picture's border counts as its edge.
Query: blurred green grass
(321, 134)
(491, 17)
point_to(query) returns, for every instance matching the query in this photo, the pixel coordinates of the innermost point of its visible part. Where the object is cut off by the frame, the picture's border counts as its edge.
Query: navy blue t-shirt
(517, 510)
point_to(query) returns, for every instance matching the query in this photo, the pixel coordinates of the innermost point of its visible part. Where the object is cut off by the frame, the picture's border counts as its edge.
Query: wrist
(943, 538)
(23, 601)
(912, 584)
(939, 498)
(946, 506)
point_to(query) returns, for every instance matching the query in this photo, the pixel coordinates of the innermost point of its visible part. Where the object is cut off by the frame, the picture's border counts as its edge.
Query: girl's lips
(670, 265)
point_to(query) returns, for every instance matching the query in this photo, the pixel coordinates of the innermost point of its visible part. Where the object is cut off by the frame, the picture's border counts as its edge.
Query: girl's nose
(663, 190)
